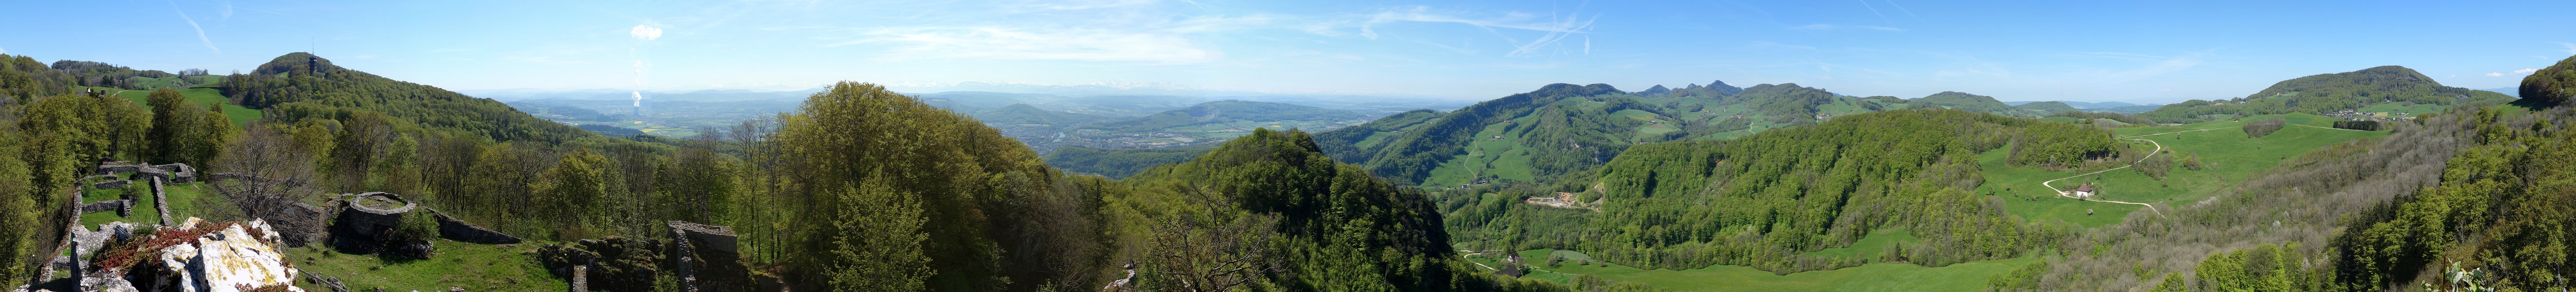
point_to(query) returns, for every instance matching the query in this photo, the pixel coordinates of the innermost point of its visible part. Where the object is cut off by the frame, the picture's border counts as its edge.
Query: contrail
(192, 23)
(1874, 10)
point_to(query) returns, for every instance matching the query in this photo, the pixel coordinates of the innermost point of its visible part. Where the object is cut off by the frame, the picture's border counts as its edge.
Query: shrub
(2264, 127)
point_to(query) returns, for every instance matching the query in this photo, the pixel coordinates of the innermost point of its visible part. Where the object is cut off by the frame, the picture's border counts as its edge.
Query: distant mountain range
(2381, 92)
(2083, 105)
(2515, 92)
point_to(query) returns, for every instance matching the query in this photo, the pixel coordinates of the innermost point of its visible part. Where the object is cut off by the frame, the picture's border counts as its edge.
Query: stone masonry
(160, 202)
(457, 230)
(707, 258)
(123, 208)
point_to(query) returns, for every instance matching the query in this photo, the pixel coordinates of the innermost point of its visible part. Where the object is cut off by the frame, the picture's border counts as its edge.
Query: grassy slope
(1968, 276)
(1868, 247)
(475, 267)
(2231, 158)
(202, 96)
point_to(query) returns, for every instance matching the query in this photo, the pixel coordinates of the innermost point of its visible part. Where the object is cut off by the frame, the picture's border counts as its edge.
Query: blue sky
(2155, 51)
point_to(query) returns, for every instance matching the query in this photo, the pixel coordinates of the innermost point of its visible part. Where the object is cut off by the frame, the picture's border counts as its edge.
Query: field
(1970, 276)
(200, 96)
(2228, 155)
(1868, 247)
(475, 267)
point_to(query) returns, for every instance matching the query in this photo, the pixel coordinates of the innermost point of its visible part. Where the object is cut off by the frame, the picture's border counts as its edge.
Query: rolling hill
(1021, 113)
(1562, 129)
(1971, 102)
(1227, 112)
(2383, 92)
(2046, 107)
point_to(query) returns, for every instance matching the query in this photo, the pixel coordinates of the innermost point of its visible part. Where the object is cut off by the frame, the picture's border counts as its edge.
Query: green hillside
(1975, 103)
(1565, 129)
(1227, 111)
(287, 86)
(2046, 107)
(2396, 91)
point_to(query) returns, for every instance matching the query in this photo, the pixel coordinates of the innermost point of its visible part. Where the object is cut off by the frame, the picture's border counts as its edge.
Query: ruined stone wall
(161, 202)
(707, 258)
(123, 208)
(458, 230)
(110, 184)
(116, 169)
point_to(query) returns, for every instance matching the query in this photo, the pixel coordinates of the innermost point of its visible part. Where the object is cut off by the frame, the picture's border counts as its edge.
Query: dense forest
(1410, 157)
(1759, 200)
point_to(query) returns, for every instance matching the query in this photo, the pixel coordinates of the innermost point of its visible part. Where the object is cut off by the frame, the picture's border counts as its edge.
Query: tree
(2264, 127)
(170, 118)
(572, 192)
(2553, 86)
(269, 177)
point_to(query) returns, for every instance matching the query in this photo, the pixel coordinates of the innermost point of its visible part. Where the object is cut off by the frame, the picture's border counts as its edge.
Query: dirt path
(2160, 147)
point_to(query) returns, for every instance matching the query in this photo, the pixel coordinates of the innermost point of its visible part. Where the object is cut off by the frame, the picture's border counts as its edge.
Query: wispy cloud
(1011, 43)
(2525, 71)
(1821, 26)
(1554, 29)
(1044, 5)
(2571, 47)
(2495, 74)
(192, 24)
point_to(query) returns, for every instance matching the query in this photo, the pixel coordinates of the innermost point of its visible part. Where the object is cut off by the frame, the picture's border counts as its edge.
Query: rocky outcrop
(238, 255)
(85, 241)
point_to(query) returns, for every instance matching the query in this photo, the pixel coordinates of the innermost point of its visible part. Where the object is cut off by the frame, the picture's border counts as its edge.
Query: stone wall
(179, 173)
(116, 169)
(123, 208)
(160, 202)
(707, 258)
(110, 184)
(457, 230)
(361, 220)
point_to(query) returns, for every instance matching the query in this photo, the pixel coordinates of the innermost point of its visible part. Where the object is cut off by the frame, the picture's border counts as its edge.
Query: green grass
(200, 96)
(1869, 246)
(2230, 158)
(183, 200)
(475, 267)
(1970, 276)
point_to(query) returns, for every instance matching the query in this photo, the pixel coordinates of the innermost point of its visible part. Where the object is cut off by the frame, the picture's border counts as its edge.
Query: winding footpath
(2160, 147)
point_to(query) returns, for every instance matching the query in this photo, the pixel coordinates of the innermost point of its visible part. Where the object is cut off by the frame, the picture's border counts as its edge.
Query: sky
(2136, 51)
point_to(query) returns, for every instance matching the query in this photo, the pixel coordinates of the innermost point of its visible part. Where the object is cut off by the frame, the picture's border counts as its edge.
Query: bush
(2357, 125)
(2264, 127)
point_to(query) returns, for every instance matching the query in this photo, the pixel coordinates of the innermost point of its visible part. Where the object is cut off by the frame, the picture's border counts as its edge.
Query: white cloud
(2495, 74)
(1074, 4)
(2571, 47)
(645, 32)
(2525, 71)
(4, 50)
(1012, 43)
(1821, 26)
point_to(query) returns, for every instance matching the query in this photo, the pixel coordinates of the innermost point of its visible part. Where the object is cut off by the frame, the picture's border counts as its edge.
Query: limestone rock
(224, 260)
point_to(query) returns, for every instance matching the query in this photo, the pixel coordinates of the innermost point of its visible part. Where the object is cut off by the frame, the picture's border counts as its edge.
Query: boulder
(224, 260)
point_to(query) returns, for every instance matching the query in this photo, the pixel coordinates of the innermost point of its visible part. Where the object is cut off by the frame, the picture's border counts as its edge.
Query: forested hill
(2384, 89)
(1975, 103)
(1272, 202)
(291, 91)
(1226, 111)
(1407, 147)
(1758, 200)
(1566, 129)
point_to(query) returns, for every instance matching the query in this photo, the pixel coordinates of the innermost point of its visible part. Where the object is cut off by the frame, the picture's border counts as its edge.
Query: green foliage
(1409, 158)
(2060, 145)
(2262, 268)
(1784, 102)
(1119, 163)
(284, 87)
(2553, 86)
(1759, 200)
(2502, 206)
